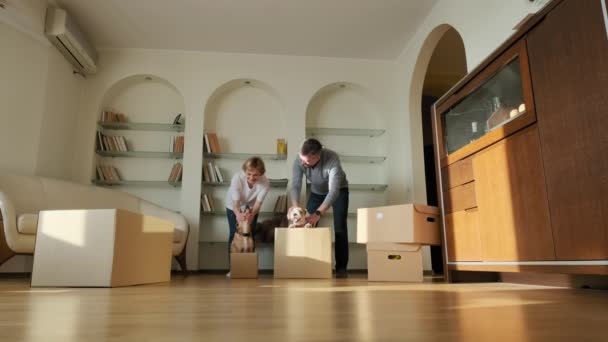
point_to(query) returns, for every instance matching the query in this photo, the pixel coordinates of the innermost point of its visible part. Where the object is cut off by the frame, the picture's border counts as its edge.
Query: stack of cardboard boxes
(394, 236)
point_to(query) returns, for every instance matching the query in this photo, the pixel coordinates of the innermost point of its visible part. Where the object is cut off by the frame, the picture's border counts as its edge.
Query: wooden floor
(212, 308)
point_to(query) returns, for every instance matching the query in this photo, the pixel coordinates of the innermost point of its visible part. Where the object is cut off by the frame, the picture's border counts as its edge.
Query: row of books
(176, 173)
(177, 144)
(107, 173)
(211, 173)
(111, 143)
(109, 116)
(212, 144)
(207, 204)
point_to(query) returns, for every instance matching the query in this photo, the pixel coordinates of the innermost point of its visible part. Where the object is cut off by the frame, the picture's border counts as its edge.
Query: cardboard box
(302, 253)
(101, 248)
(243, 265)
(406, 223)
(394, 262)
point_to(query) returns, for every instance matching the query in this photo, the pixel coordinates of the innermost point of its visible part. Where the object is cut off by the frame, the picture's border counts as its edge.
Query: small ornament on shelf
(281, 146)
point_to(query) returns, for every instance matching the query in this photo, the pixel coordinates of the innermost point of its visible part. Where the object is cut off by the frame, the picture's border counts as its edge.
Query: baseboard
(573, 281)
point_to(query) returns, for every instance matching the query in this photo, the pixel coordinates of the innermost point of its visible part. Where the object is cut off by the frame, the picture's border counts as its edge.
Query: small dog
(243, 242)
(297, 218)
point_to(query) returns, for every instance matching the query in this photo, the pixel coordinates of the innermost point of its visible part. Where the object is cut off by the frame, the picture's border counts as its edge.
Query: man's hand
(313, 219)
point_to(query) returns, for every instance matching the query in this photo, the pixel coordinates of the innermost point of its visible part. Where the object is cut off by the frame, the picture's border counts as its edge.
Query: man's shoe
(341, 273)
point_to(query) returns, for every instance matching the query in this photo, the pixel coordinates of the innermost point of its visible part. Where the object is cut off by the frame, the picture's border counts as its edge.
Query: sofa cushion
(27, 224)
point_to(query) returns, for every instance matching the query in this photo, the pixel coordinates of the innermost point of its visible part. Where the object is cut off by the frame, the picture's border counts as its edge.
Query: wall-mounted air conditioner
(62, 31)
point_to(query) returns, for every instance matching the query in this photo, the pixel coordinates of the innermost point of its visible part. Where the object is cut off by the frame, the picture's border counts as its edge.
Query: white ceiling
(369, 29)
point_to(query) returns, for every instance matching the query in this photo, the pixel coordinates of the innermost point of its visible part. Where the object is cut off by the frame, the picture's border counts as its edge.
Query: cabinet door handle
(430, 219)
(394, 257)
(471, 210)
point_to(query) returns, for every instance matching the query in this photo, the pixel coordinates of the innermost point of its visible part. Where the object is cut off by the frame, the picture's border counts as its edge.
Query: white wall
(23, 66)
(39, 98)
(197, 76)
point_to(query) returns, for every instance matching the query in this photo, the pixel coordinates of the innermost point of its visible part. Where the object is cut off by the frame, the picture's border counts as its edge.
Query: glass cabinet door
(490, 106)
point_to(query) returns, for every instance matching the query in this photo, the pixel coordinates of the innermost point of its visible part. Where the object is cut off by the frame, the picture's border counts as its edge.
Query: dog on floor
(297, 218)
(243, 242)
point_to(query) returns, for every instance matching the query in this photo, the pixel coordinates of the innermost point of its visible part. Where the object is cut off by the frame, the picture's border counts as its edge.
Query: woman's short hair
(311, 146)
(255, 163)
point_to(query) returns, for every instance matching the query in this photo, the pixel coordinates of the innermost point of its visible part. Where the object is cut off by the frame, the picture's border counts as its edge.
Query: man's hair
(255, 163)
(311, 146)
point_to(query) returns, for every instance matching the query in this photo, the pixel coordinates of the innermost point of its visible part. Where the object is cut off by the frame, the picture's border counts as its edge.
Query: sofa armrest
(179, 221)
(17, 242)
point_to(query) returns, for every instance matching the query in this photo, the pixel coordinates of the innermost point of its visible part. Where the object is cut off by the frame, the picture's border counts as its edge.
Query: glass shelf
(362, 159)
(140, 154)
(345, 131)
(370, 187)
(141, 126)
(274, 183)
(137, 183)
(223, 213)
(244, 156)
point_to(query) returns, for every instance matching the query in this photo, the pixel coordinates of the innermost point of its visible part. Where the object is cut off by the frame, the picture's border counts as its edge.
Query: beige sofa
(23, 197)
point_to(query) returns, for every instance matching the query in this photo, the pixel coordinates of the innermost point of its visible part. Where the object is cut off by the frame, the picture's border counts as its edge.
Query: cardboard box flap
(426, 209)
(391, 246)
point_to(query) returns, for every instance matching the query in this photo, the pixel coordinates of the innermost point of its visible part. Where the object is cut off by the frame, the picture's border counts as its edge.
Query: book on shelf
(207, 204)
(211, 143)
(111, 143)
(177, 144)
(110, 116)
(212, 173)
(218, 173)
(176, 173)
(107, 173)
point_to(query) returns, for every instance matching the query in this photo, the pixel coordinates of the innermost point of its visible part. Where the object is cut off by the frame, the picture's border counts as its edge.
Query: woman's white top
(247, 196)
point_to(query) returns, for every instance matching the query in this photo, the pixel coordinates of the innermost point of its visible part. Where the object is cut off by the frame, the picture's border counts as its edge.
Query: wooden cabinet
(512, 200)
(569, 65)
(532, 186)
(462, 235)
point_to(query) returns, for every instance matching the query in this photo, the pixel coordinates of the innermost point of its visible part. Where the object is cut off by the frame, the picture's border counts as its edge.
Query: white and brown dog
(297, 218)
(243, 241)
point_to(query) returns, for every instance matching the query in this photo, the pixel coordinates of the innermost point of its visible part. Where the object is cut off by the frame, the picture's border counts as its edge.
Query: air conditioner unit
(62, 31)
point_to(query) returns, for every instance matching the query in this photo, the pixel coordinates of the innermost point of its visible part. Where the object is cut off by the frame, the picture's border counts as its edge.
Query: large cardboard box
(101, 248)
(302, 253)
(243, 265)
(406, 223)
(394, 262)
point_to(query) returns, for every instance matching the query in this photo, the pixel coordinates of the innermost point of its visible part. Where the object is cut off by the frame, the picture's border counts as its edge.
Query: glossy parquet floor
(213, 308)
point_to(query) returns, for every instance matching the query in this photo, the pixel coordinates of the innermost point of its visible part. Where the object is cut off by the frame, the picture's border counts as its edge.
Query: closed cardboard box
(394, 262)
(243, 265)
(406, 223)
(302, 253)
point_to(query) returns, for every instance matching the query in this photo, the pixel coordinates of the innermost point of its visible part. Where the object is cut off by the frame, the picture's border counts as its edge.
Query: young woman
(248, 188)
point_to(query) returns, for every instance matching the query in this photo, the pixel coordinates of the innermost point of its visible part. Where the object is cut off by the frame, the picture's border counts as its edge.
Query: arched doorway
(447, 65)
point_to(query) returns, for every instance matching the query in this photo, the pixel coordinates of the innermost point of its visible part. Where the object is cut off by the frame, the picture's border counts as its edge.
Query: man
(329, 188)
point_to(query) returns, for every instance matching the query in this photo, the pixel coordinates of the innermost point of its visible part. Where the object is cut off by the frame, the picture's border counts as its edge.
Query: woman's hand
(241, 216)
